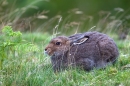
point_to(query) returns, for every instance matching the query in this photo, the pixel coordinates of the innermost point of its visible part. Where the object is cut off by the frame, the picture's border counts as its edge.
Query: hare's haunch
(86, 50)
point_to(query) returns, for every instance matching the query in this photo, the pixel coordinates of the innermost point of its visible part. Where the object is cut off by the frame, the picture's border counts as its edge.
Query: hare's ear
(80, 40)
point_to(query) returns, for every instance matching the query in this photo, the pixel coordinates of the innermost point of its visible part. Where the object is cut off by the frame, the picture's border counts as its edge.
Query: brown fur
(97, 51)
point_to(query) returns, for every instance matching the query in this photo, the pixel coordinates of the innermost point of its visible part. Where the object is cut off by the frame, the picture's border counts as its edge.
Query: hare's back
(106, 45)
(98, 46)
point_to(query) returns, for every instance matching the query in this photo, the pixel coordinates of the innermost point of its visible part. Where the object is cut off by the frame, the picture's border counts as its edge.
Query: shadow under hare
(85, 50)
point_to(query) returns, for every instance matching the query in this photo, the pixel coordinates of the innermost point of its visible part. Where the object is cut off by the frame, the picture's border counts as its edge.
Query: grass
(34, 69)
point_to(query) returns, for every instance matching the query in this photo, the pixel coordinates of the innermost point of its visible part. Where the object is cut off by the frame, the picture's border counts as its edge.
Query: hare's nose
(45, 49)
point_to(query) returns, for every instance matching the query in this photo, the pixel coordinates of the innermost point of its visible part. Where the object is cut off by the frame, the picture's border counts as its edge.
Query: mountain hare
(85, 50)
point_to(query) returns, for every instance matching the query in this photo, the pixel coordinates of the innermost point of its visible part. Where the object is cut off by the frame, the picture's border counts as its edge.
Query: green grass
(34, 68)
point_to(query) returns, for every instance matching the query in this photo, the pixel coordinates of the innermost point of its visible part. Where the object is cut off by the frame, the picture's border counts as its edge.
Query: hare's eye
(58, 43)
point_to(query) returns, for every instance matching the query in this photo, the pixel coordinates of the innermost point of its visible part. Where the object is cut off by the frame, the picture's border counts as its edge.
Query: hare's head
(58, 46)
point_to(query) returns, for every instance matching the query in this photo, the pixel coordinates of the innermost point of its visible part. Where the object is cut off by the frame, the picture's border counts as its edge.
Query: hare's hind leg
(101, 64)
(86, 64)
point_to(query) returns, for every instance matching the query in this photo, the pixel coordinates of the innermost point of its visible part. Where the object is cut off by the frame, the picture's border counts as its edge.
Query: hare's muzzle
(47, 51)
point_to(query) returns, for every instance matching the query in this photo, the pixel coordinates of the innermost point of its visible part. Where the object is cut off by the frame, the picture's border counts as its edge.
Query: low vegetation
(28, 66)
(22, 62)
